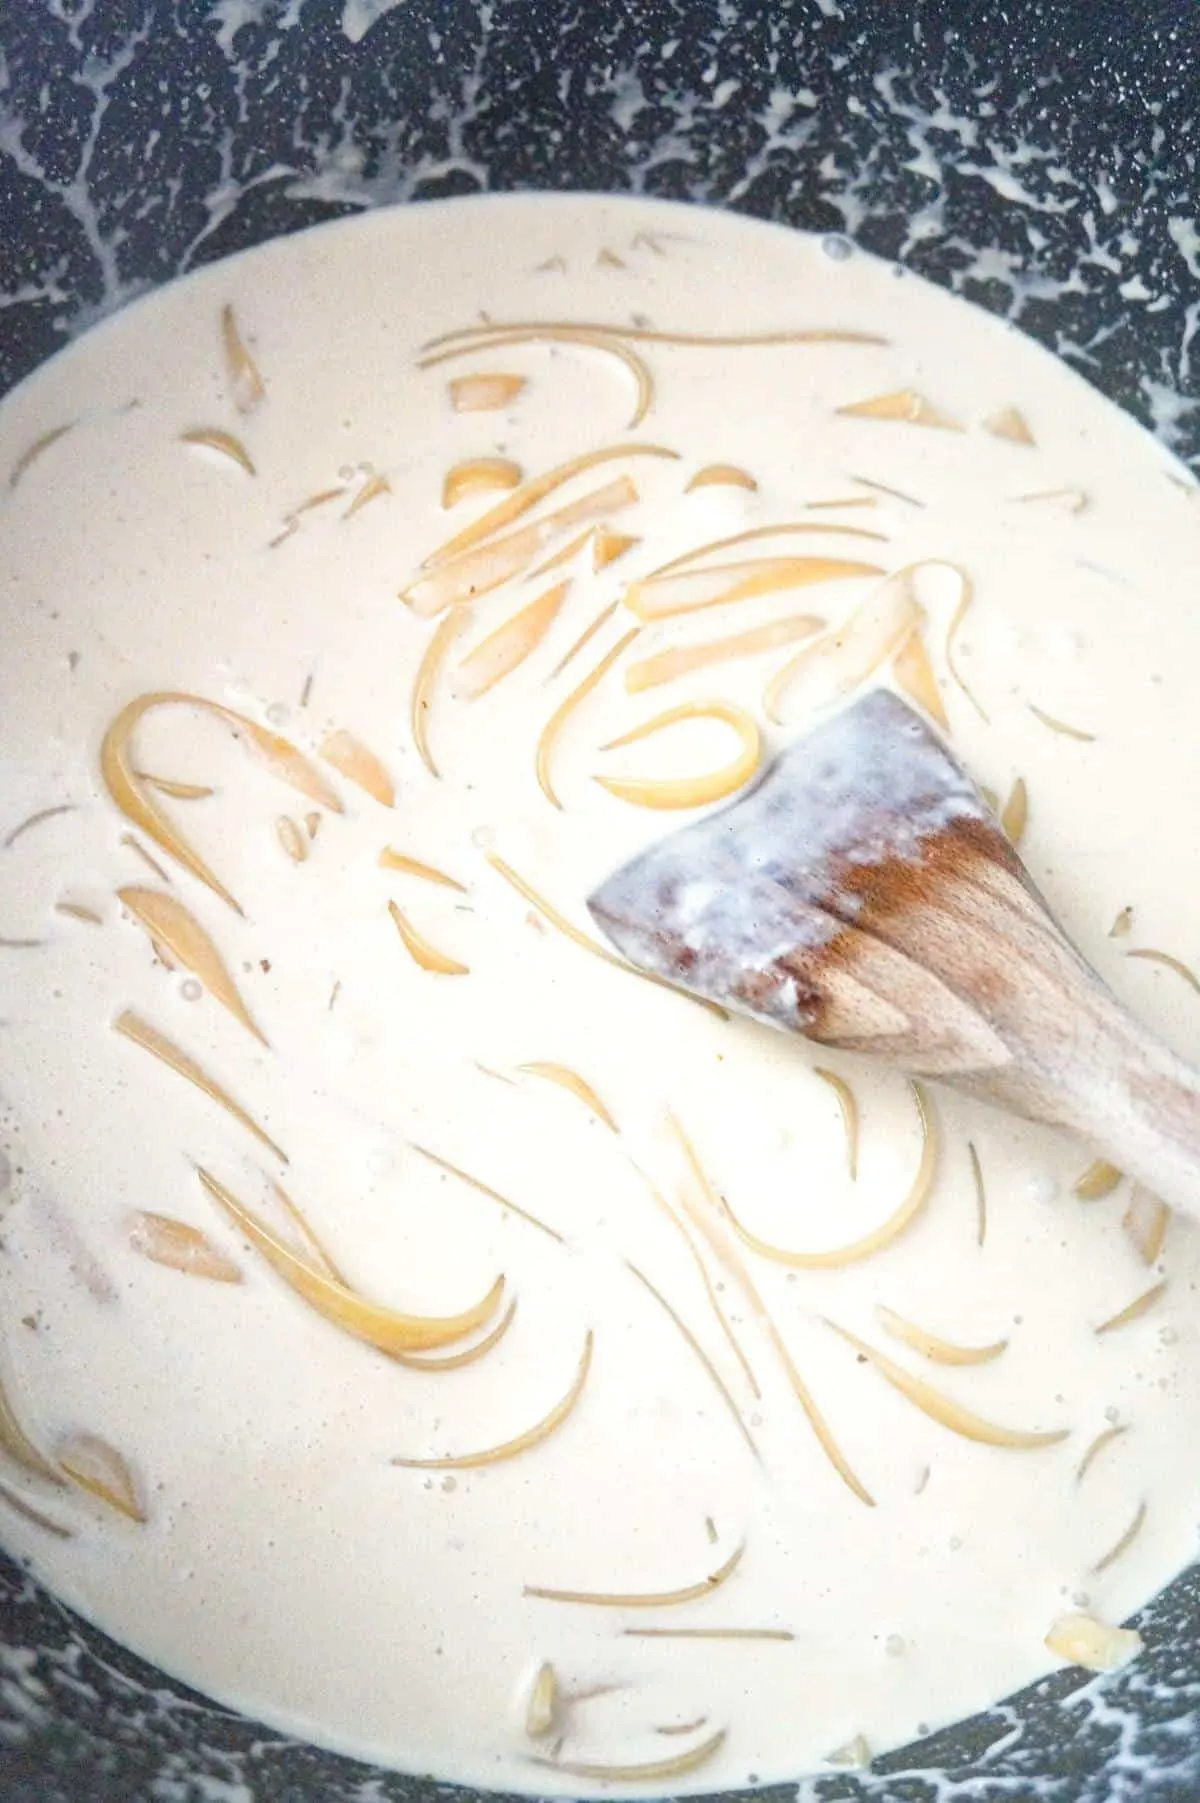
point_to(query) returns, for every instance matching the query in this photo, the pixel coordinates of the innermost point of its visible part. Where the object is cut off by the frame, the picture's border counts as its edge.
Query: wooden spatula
(864, 895)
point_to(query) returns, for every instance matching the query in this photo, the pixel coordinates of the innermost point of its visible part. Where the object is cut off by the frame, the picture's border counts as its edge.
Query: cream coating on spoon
(287, 1563)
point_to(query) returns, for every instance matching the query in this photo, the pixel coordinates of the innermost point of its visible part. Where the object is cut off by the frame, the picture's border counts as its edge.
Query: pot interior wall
(1037, 159)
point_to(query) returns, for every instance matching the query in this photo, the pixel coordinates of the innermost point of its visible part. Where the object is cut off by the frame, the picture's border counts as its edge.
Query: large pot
(1039, 159)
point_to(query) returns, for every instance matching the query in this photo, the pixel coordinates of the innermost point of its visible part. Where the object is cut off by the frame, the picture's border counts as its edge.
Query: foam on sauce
(453, 1088)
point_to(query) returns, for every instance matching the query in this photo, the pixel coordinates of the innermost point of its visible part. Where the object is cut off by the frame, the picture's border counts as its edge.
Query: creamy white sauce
(286, 1564)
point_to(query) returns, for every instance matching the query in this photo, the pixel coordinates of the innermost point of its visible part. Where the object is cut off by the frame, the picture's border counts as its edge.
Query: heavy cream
(707, 1506)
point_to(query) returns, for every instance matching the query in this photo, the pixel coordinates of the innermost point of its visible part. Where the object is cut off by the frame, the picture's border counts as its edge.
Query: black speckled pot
(1039, 158)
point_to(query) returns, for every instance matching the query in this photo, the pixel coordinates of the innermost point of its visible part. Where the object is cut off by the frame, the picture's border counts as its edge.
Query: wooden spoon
(864, 895)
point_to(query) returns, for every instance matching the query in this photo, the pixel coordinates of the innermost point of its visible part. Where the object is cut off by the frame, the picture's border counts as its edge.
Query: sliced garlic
(1009, 422)
(484, 393)
(1098, 1647)
(541, 1710)
(1099, 1180)
(906, 405)
(479, 476)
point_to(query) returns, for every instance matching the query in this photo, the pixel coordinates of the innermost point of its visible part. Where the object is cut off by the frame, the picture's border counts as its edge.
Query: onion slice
(477, 572)
(707, 1220)
(721, 475)
(455, 1361)
(164, 1240)
(1145, 1222)
(178, 791)
(139, 851)
(514, 640)
(485, 1189)
(1061, 727)
(576, 1085)
(1104, 1438)
(682, 660)
(783, 1634)
(420, 949)
(966, 595)
(932, 1347)
(32, 452)
(32, 820)
(225, 444)
(1133, 1311)
(133, 1027)
(79, 911)
(428, 671)
(914, 674)
(523, 1442)
(17, 1503)
(358, 763)
(943, 1409)
(848, 1103)
(710, 1292)
(245, 378)
(429, 873)
(1168, 963)
(1074, 500)
(642, 1599)
(16, 1443)
(100, 1469)
(886, 1233)
(648, 1772)
(690, 791)
(687, 591)
(129, 791)
(853, 651)
(651, 335)
(176, 929)
(585, 638)
(317, 1256)
(721, 1386)
(565, 553)
(1122, 1546)
(980, 1194)
(386, 1329)
(550, 733)
(531, 492)
(754, 535)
